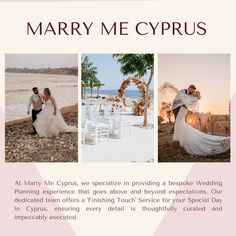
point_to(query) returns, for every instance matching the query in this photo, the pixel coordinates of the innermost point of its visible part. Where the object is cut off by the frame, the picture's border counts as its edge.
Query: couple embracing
(192, 140)
(46, 116)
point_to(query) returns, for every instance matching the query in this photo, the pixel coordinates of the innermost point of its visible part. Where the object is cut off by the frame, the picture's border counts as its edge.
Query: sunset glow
(190, 120)
(209, 73)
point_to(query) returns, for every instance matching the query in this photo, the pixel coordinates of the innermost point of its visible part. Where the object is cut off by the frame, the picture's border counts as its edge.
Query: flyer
(117, 117)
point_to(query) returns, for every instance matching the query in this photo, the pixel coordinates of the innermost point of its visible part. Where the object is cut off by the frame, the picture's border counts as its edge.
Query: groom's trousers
(176, 110)
(34, 117)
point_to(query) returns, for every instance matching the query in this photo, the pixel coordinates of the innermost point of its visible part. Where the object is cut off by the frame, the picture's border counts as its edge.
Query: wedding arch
(138, 107)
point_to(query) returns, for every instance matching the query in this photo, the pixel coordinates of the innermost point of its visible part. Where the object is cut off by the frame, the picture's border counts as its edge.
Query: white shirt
(36, 100)
(178, 101)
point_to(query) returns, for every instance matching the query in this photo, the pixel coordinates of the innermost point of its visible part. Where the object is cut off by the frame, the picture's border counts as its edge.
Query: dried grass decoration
(138, 107)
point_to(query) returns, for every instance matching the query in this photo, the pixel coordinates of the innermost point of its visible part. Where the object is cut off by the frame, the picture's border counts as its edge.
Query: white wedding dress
(196, 142)
(47, 124)
(192, 140)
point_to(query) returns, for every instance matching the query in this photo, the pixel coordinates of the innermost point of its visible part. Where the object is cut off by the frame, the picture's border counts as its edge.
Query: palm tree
(92, 83)
(138, 65)
(99, 85)
(88, 74)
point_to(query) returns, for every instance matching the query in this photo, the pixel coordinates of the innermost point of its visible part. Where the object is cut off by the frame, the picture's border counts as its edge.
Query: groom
(37, 100)
(177, 103)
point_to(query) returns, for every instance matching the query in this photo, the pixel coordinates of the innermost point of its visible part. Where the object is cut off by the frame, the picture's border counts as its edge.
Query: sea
(18, 89)
(135, 94)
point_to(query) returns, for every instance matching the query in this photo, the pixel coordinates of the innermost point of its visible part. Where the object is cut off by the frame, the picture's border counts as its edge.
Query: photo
(194, 108)
(41, 108)
(117, 107)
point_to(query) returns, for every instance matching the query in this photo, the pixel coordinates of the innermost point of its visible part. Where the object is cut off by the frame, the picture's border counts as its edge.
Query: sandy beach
(138, 147)
(171, 152)
(21, 146)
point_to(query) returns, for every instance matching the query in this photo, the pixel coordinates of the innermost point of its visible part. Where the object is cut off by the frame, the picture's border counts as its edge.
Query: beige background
(219, 39)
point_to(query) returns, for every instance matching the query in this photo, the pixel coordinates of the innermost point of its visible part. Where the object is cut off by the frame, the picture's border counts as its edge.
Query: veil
(167, 92)
(168, 88)
(190, 102)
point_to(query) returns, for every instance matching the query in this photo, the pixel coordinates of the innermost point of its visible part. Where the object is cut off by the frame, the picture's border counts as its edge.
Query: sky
(210, 73)
(41, 60)
(109, 71)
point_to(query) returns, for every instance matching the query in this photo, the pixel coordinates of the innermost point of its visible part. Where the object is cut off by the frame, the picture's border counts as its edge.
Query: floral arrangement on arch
(138, 107)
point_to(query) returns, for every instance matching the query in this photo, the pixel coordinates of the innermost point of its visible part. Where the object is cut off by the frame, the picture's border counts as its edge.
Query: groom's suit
(37, 101)
(177, 103)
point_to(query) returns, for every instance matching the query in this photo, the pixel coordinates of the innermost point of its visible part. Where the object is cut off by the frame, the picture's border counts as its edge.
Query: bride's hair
(197, 94)
(47, 90)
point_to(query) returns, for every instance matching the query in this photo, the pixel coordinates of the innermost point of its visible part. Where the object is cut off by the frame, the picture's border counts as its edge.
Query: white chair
(98, 132)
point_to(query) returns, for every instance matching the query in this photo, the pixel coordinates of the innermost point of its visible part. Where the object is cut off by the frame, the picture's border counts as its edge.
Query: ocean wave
(17, 90)
(69, 86)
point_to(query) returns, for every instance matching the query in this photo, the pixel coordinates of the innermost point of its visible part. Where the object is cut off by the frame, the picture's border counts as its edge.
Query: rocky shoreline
(21, 146)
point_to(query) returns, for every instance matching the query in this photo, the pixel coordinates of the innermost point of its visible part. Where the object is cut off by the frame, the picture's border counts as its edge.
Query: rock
(22, 147)
(171, 152)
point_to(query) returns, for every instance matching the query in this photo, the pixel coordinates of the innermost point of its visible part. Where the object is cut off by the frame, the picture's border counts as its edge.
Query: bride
(192, 140)
(49, 121)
